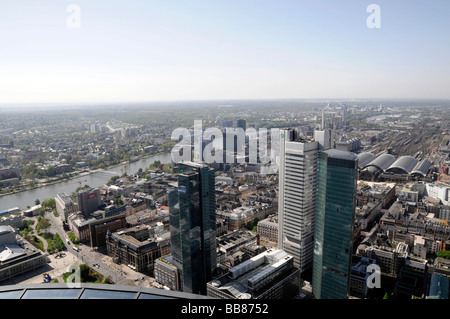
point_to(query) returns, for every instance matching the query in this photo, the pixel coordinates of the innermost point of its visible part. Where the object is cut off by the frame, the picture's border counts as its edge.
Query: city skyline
(157, 51)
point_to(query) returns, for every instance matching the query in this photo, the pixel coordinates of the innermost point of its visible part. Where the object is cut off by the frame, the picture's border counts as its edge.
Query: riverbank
(84, 173)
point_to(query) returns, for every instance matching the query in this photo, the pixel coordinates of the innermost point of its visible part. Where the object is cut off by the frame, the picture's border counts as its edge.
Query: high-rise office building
(241, 123)
(88, 200)
(335, 209)
(193, 226)
(297, 197)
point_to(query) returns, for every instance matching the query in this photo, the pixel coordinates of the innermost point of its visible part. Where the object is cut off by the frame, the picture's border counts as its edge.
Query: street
(98, 260)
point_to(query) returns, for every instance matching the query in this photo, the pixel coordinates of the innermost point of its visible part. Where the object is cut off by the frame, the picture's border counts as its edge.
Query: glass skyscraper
(193, 226)
(335, 209)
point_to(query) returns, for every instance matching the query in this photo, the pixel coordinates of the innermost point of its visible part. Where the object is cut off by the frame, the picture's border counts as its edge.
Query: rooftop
(338, 154)
(90, 291)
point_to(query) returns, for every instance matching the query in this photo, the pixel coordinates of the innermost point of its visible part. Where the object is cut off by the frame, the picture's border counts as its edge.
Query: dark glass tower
(241, 123)
(335, 209)
(193, 226)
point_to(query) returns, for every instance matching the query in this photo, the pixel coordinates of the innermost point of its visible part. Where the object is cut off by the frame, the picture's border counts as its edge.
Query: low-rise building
(17, 256)
(65, 206)
(32, 211)
(268, 229)
(359, 277)
(134, 247)
(269, 275)
(167, 274)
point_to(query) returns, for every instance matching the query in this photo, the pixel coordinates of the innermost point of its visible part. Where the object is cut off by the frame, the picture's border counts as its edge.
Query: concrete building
(440, 191)
(32, 211)
(269, 275)
(99, 227)
(359, 277)
(366, 214)
(297, 197)
(17, 256)
(352, 145)
(167, 274)
(231, 243)
(390, 260)
(65, 206)
(268, 229)
(134, 247)
(439, 279)
(88, 201)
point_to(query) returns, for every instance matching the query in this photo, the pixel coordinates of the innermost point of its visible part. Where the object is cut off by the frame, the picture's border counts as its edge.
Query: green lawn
(89, 275)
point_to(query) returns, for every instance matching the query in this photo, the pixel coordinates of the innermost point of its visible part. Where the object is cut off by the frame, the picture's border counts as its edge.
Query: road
(119, 274)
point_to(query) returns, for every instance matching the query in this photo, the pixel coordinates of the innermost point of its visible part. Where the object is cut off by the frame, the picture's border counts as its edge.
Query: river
(27, 198)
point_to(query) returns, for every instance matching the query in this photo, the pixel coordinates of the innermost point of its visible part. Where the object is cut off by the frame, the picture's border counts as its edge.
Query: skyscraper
(193, 226)
(241, 123)
(335, 209)
(297, 197)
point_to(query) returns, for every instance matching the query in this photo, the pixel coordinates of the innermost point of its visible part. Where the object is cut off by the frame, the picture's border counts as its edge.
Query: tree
(444, 254)
(58, 242)
(50, 171)
(42, 224)
(84, 272)
(386, 296)
(37, 201)
(113, 179)
(49, 203)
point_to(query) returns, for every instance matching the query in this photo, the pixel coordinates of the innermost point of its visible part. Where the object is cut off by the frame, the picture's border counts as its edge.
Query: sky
(153, 50)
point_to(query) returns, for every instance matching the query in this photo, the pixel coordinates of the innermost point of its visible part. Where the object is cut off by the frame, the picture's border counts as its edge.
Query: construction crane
(80, 182)
(443, 180)
(122, 168)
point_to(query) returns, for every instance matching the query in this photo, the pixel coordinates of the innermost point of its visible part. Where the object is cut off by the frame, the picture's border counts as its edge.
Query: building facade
(193, 226)
(297, 197)
(65, 206)
(134, 247)
(88, 201)
(335, 214)
(269, 275)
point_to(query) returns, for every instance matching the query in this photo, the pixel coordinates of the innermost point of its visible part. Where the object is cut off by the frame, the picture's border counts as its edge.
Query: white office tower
(325, 139)
(297, 197)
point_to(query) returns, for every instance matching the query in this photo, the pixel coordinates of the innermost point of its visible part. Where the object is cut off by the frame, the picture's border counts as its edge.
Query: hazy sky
(227, 49)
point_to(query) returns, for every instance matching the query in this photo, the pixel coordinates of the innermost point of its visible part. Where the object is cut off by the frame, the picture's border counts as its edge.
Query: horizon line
(24, 104)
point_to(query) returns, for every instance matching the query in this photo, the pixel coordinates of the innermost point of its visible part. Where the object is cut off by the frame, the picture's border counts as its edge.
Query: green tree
(37, 201)
(42, 224)
(58, 242)
(49, 203)
(444, 254)
(113, 179)
(50, 171)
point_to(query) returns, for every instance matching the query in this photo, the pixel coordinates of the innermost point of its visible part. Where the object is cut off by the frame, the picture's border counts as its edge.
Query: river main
(27, 198)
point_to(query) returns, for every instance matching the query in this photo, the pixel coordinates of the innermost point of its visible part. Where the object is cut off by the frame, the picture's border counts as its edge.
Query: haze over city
(172, 50)
(258, 154)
